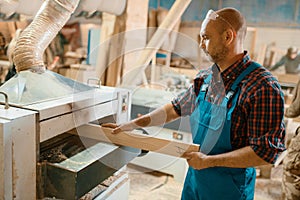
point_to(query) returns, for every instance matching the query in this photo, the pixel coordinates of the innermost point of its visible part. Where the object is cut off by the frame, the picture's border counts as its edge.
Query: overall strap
(204, 87)
(234, 86)
(247, 71)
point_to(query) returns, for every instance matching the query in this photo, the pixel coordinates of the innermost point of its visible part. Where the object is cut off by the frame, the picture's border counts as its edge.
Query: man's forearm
(241, 158)
(157, 117)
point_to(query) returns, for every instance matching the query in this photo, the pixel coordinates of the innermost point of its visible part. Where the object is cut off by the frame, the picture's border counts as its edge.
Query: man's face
(211, 41)
(293, 55)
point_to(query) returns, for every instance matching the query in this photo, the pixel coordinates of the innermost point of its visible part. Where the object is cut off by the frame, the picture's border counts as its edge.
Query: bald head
(235, 19)
(222, 36)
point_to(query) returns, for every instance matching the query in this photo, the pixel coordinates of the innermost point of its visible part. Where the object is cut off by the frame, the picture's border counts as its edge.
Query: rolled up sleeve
(184, 103)
(269, 146)
(266, 130)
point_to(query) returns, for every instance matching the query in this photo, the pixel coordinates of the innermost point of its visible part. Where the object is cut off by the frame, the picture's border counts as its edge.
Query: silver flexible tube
(30, 47)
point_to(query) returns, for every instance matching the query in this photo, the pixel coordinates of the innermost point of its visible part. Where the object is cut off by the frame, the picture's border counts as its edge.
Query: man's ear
(228, 36)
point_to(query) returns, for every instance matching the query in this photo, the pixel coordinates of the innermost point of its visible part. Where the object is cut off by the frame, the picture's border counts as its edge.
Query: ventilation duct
(34, 83)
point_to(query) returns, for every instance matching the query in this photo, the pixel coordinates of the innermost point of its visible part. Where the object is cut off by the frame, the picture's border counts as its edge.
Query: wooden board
(135, 140)
(107, 29)
(287, 78)
(147, 53)
(116, 55)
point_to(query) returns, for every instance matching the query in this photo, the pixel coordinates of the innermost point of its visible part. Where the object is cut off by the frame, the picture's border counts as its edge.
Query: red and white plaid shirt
(257, 120)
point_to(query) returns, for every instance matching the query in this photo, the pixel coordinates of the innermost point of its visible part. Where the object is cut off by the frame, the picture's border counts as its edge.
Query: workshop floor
(160, 186)
(152, 185)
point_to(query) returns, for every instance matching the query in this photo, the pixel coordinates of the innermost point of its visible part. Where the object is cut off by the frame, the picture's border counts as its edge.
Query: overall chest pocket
(212, 116)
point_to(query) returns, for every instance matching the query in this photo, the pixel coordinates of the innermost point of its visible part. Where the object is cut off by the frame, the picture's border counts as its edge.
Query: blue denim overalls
(210, 125)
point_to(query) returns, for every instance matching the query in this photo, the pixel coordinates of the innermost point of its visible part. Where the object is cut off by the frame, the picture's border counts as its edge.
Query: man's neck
(229, 61)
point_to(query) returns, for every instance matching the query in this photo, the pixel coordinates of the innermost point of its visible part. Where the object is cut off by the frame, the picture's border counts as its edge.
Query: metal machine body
(23, 129)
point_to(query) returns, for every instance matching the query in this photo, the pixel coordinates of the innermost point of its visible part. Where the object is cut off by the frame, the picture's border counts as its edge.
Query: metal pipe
(6, 100)
(30, 47)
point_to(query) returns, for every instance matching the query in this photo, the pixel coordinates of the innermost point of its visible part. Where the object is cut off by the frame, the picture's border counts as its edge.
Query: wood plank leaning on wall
(119, 54)
(116, 46)
(107, 28)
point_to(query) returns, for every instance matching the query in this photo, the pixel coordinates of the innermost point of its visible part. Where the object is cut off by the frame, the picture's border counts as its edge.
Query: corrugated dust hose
(30, 47)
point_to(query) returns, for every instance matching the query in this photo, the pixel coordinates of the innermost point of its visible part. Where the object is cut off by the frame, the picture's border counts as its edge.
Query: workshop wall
(277, 23)
(282, 13)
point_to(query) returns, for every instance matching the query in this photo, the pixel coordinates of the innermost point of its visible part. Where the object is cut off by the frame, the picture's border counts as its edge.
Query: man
(291, 163)
(291, 169)
(236, 112)
(291, 61)
(294, 109)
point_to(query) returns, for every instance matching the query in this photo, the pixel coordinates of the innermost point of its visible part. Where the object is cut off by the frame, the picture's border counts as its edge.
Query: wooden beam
(107, 29)
(156, 41)
(116, 49)
(135, 140)
(261, 54)
(287, 78)
(280, 158)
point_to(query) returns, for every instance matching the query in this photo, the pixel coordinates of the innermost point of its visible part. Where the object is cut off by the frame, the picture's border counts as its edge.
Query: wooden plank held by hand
(135, 140)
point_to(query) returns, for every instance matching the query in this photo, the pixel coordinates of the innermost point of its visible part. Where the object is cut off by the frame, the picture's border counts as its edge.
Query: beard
(217, 54)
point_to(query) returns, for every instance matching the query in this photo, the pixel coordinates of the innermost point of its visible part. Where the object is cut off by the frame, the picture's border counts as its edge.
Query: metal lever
(6, 100)
(94, 79)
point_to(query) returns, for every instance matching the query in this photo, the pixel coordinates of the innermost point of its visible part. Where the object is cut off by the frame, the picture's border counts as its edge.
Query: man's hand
(240, 158)
(157, 117)
(119, 128)
(196, 160)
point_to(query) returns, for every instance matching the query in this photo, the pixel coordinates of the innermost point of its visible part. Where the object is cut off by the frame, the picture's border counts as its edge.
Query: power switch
(124, 104)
